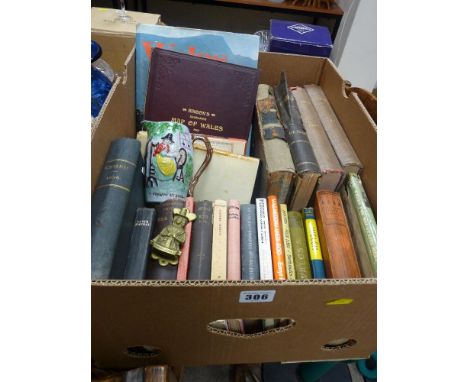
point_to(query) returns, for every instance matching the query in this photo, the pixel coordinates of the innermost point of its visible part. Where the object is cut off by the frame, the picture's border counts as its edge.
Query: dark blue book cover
(119, 192)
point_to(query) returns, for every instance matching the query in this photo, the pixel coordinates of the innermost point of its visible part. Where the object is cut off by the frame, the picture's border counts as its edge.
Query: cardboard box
(106, 20)
(299, 38)
(136, 323)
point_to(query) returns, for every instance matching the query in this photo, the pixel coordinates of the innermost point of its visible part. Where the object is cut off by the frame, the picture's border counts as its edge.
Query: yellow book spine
(313, 243)
(290, 270)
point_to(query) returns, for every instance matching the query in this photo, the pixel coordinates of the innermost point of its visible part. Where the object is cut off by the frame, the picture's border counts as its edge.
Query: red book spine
(184, 257)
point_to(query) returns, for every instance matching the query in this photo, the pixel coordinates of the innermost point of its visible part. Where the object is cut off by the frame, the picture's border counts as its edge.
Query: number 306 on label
(257, 296)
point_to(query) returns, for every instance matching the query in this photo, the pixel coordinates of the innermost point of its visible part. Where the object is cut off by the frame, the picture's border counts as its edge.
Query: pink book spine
(184, 257)
(233, 255)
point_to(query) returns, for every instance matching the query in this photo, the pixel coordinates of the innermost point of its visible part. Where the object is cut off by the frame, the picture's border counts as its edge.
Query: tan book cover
(220, 180)
(291, 271)
(277, 169)
(335, 237)
(219, 246)
(330, 167)
(338, 138)
(107, 20)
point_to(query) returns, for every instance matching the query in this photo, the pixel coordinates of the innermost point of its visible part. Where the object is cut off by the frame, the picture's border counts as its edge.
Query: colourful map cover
(235, 48)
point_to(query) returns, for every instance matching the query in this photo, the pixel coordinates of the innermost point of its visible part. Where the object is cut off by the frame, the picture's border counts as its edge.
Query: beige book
(356, 234)
(142, 137)
(228, 176)
(337, 136)
(330, 168)
(219, 244)
(106, 20)
(277, 168)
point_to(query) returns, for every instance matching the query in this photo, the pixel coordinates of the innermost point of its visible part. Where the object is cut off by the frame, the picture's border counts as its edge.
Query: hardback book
(233, 242)
(330, 168)
(313, 243)
(201, 242)
(231, 145)
(249, 247)
(365, 217)
(305, 163)
(335, 237)
(139, 253)
(235, 48)
(223, 108)
(118, 194)
(182, 267)
(276, 239)
(164, 216)
(220, 180)
(288, 251)
(276, 174)
(299, 246)
(337, 136)
(356, 234)
(219, 244)
(263, 233)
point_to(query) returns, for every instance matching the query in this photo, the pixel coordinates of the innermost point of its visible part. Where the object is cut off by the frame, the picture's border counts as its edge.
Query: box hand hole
(142, 351)
(251, 327)
(339, 344)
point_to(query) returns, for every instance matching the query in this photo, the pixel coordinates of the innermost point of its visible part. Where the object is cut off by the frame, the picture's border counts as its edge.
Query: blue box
(299, 38)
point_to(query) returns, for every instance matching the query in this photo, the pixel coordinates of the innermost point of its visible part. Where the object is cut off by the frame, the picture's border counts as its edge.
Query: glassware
(102, 77)
(122, 14)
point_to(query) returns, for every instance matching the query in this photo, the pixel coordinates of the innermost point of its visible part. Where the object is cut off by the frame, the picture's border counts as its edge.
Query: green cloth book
(365, 217)
(299, 246)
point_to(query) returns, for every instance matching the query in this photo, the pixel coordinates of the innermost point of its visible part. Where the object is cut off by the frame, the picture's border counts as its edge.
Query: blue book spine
(140, 248)
(250, 269)
(118, 193)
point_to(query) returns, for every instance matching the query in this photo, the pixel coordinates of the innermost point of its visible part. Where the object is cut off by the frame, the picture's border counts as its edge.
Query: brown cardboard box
(172, 317)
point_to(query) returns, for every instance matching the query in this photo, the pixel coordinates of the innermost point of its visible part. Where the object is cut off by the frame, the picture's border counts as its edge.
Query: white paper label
(257, 296)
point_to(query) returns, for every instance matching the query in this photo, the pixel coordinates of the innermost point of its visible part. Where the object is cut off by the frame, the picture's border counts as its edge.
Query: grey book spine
(250, 268)
(164, 215)
(301, 151)
(201, 241)
(118, 193)
(140, 248)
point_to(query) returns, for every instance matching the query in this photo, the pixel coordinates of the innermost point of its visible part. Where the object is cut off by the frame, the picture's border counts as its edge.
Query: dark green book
(299, 246)
(201, 241)
(118, 194)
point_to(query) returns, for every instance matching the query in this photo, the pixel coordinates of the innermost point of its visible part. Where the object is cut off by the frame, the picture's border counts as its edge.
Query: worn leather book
(208, 96)
(276, 174)
(164, 215)
(365, 217)
(139, 253)
(337, 136)
(276, 239)
(299, 246)
(219, 245)
(335, 237)
(201, 242)
(263, 234)
(249, 248)
(288, 252)
(118, 194)
(182, 267)
(305, 163)
(356, 234)
(330, 168)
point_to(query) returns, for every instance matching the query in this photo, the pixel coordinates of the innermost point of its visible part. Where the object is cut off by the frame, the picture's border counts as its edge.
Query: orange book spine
(276, 239)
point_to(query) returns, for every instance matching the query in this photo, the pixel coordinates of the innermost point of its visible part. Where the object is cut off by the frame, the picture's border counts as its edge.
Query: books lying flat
(338, 138)
(277, 168)
(235, 48)
(208, 96)
(330, 168)
(221, 179)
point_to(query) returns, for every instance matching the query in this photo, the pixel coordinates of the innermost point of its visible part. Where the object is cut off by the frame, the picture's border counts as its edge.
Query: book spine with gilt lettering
(118, 193)
(249, 246)
(299, 246)
(288, 251)
(201, 241)
(138, 256)
(335, 237)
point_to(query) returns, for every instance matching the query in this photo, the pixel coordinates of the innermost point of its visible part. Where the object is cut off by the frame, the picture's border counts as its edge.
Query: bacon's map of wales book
(234, 48)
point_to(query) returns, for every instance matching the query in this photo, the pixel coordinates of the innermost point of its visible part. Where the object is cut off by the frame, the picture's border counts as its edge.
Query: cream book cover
(107, 20)
(219, 245)
(221, 179)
